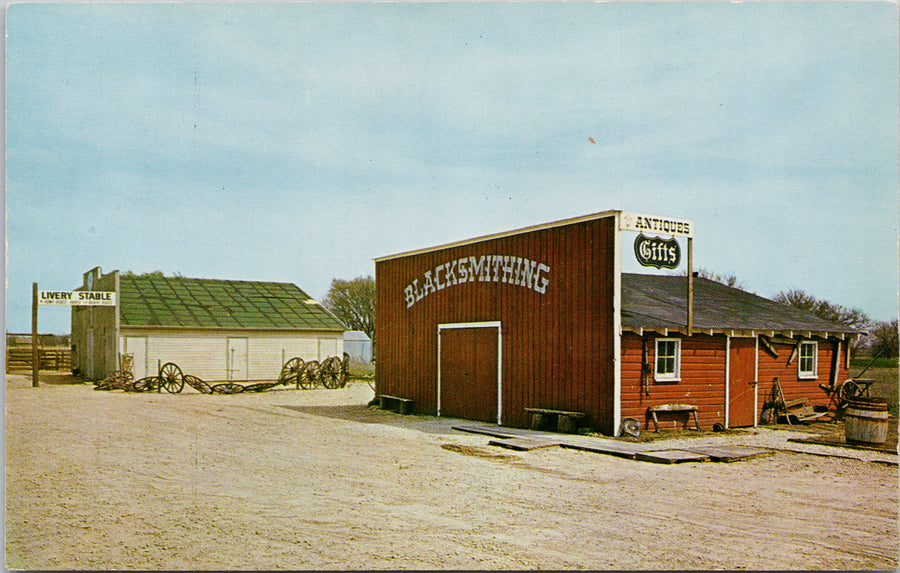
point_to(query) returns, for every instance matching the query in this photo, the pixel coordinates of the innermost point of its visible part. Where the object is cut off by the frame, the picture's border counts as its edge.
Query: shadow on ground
(364, 414)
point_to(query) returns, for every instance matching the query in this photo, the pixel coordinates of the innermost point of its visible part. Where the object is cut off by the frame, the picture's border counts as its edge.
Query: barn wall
(94, 331)
(204, 353)
(556, 345)
(792, 386)
(702, 384)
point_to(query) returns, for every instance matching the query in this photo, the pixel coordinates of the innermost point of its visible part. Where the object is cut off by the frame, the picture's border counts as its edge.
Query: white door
(327, 347)
(136, 346)
(237, 359)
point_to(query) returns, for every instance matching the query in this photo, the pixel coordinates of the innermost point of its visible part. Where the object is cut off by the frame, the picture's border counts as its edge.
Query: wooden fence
(52, 358)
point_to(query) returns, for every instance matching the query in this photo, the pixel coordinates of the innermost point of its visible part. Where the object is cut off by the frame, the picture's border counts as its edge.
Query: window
(668, 359)
(809, 353)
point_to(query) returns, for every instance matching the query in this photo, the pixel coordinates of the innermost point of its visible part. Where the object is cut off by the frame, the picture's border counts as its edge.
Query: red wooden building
(543, 317)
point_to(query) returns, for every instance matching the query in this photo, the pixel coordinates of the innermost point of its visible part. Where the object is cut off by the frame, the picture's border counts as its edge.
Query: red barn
(543, 317)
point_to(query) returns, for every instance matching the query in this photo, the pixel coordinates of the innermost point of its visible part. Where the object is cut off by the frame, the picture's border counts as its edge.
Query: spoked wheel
(850, 389)
(227, 388)
(197, 384)
(291, 370)
(310, 376)
(171, 378)
(332, 373)
(259, 387)
(145, 384)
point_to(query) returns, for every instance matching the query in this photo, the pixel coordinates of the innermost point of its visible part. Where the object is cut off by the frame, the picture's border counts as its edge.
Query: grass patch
(860, 362)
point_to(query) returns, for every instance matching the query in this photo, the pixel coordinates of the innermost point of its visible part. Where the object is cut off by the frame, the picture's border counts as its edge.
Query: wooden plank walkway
(730, 453)
(522, 444)
(525, 440)
(670, 457)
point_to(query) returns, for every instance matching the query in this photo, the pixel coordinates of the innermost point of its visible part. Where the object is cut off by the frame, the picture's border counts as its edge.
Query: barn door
(137, 347)
(89, 354)
(742, 383)
(237, 359)
(469, 371)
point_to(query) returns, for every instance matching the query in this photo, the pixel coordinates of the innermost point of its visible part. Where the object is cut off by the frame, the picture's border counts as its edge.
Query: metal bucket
(866, 421)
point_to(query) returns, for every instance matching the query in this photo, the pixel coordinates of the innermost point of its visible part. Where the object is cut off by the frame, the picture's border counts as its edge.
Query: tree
(825, 310)
(353, 302)
(885, 339)
(727, 280)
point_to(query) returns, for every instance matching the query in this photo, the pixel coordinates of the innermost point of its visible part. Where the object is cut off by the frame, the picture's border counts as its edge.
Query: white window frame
(814, 372)
(667, 376)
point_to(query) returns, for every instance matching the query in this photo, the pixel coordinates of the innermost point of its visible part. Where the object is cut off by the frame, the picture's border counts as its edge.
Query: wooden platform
(522, 444)
(526, 440)
(730, 453)
(671, 457)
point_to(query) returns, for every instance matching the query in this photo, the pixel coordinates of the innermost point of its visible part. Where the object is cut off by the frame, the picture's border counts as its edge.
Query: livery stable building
(213, 329)
(544, 318)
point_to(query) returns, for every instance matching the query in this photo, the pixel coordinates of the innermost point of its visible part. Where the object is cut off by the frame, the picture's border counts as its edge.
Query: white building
(213, 329)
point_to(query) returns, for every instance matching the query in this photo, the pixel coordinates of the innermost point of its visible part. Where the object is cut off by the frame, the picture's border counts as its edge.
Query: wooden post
(35, 354)
(690, 293)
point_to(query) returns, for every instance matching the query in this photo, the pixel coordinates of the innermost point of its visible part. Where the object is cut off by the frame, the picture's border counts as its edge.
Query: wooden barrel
(866, 420)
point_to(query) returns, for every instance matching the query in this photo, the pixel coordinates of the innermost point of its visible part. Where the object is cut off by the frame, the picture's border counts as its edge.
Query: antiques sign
(77, 298)
(657, 252)
(650, 223)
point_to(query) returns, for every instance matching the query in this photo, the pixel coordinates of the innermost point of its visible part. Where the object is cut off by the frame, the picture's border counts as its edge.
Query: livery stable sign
(76, 298)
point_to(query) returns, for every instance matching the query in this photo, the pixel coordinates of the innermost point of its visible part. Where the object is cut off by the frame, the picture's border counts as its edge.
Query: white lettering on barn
(508, 269)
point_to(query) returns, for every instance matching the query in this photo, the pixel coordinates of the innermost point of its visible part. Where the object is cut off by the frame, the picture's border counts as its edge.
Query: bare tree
(727, 280)
(825, 310)
(353, 302)
(885, 339)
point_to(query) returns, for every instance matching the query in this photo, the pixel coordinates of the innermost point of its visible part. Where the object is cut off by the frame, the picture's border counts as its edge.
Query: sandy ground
(315, 480)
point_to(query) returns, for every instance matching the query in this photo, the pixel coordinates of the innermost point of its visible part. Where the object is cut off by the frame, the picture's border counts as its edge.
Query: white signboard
(76, 298)
(652, 224)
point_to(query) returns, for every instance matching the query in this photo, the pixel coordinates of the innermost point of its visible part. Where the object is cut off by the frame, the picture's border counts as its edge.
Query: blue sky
(298, 141)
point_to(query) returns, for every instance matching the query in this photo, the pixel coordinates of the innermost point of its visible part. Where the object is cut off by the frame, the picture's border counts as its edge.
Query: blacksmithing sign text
(77, 298)
(508, 269)
(656, 252)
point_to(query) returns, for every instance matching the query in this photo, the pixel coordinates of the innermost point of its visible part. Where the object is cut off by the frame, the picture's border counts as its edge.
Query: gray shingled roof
(657, 301)
(209, 303)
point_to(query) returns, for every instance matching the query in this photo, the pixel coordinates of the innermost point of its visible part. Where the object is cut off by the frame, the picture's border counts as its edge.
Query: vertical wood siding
(702, 380)
(557, 346)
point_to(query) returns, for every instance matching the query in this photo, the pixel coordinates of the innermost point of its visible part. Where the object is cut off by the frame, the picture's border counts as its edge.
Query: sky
(296, 142)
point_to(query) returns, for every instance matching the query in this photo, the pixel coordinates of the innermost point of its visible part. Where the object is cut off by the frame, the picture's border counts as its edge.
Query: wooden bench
(562, 421)
(652, 410)
(394, 403)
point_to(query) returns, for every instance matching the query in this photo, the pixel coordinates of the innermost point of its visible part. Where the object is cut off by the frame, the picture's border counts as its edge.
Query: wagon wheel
(291, 369)
(849, 389)
(197, 384)
(331, 373)
(171, 378)
(310, 377)
(259, 387)
(227, 388)
(127, 377)
(145, 384)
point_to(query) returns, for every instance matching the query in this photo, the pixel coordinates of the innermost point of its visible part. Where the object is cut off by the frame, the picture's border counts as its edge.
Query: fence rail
(51, 358)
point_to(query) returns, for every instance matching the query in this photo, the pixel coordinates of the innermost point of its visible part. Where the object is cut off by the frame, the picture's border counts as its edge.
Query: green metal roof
(209, 303)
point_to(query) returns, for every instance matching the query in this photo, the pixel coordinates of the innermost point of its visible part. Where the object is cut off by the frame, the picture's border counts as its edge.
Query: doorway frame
(458, 325)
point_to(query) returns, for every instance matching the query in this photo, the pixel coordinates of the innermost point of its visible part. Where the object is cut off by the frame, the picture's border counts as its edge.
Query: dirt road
(314, 480)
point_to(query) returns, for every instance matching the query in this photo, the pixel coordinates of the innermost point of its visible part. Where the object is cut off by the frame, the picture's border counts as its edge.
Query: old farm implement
(330, 373)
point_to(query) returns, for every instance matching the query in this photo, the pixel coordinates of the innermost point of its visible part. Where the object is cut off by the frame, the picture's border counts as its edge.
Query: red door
(468, 373)
(742, 383)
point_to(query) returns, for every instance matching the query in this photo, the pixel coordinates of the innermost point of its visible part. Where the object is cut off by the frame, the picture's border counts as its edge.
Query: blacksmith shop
(542, 320)
(214, 329)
